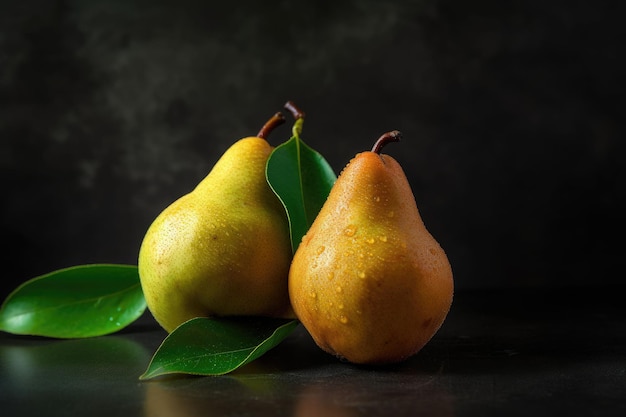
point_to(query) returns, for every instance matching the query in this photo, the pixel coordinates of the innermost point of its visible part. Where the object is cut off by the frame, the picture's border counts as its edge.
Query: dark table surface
(501, 353)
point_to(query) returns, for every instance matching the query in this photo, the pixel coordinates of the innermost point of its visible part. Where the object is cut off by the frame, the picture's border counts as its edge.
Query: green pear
(224, 248)
(368, 281)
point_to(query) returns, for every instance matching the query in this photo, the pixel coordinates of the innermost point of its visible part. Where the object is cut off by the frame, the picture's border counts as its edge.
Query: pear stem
(276, 120)
(294, 110)
(298, 115)
(393, 136)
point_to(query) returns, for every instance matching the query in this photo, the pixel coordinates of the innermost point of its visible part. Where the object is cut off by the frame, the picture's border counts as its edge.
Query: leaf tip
(145, 376)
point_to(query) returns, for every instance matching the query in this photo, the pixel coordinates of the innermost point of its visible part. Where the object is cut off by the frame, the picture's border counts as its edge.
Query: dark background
(512, 114)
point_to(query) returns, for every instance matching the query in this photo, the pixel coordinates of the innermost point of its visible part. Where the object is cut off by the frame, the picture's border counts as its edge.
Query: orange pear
(368, 281)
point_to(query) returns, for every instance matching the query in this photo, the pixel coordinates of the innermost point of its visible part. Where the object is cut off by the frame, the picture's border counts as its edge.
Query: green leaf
(217, 346)
(81, 301)
(302, 179)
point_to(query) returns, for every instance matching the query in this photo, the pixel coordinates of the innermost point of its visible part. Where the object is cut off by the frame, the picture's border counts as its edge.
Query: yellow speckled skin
(368, 281)
(223, 249)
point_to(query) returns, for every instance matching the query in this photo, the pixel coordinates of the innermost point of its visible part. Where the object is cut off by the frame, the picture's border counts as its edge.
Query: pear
(368, 281)
(224, 248)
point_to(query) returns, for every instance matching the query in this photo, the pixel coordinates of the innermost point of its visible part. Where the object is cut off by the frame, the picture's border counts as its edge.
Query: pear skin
(223, 249)
(368, 281)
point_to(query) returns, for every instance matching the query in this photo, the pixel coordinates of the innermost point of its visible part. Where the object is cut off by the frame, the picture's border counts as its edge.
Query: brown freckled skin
(391, 269)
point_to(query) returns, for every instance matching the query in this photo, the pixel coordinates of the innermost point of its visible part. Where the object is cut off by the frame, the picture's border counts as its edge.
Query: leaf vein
(72, 303)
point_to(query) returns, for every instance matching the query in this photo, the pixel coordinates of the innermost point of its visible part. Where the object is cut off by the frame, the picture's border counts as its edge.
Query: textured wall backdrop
(512, 114)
